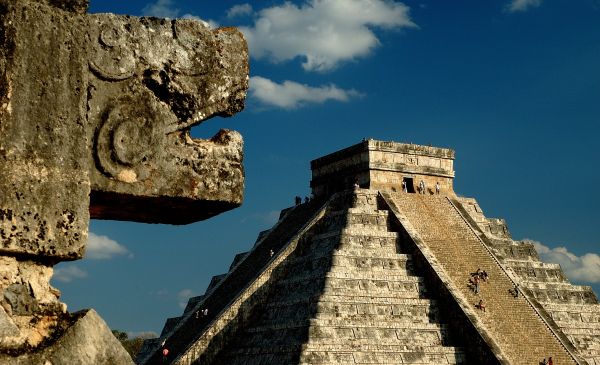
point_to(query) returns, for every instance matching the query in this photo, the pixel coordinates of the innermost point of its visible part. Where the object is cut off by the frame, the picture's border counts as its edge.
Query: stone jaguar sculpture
(95, 119)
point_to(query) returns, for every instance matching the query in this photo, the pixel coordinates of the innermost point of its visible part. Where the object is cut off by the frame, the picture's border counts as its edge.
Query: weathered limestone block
(95, 118)
(44, 173)
(107, 112)
(76, 6)
(28, 303)
(87, 341)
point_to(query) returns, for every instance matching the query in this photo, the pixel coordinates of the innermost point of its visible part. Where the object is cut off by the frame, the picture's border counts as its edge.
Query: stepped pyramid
(377, 275)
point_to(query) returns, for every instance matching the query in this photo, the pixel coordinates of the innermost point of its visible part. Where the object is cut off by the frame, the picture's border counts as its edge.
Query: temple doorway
(409, 184)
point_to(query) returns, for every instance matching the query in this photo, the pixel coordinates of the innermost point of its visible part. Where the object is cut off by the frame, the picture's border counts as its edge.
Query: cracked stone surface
(95, 118)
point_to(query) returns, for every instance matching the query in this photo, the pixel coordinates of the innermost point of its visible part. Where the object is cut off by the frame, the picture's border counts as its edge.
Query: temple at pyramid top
(384, 165)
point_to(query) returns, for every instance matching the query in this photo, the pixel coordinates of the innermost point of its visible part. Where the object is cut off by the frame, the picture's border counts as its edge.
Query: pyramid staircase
(519, 332)
(372, 277)
(381, 277)
(229, 296)
(340, 292)
(573, 308)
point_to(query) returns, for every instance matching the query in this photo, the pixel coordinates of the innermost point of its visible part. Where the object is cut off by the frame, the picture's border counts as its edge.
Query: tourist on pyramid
(481, 305)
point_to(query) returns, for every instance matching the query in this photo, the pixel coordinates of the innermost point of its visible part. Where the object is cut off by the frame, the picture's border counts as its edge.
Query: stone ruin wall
(382, 165)
(389, 168)
(332, 173)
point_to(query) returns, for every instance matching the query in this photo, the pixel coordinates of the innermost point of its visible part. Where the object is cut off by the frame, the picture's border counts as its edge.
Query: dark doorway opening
(409, 184)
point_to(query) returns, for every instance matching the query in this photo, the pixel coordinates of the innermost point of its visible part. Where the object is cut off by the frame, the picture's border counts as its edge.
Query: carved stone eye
(127, 140)
(130, 141)
(109, 36)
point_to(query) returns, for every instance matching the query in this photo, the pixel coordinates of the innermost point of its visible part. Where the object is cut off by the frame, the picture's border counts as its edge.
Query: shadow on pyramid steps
(344, 288)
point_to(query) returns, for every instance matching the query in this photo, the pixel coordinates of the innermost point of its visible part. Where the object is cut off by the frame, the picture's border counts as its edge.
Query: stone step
(515, 250)
(382, 354)
(560, 286)
(587, 346)
(382, 262)
(562, 293)
(573, 314)
(359, 300)
(590, 354)
(324, 354)
(323, 248)
(418, 314)
(390, 252)
(458, 250)
(361, 210)
(411, 290)
(192, 302)
(379, 262)
(407, 291)
(378, 324)
(532, 264)
(369, 242)
(345, 290)
(577, 308)
(367, 232)
(244, 281)
(344, 242)
(592, 329)
(536, 271)
(344, 334)
(363, 278)
(343, 311)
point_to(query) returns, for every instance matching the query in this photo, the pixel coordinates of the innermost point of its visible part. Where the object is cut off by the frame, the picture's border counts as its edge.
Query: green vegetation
(132, 345)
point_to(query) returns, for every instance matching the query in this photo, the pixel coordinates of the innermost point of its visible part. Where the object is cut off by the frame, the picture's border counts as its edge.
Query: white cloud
(269, 218)
(166, 9)
(584, 268)
(142, 334)
(291, 95)
(522, 5)
(161, 9)
(207, 23)
(323, 32)
(239, 10)
(102, 247)
(183, 296)
(68, 273)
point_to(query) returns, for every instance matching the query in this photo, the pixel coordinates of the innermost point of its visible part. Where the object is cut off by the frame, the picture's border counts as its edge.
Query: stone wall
(383, 165)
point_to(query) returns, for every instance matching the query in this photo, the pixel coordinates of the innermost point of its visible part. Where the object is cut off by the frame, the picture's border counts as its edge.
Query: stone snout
(198, 178)
(152, 81)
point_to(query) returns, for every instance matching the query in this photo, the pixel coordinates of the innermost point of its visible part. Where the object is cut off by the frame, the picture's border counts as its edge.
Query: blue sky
(513, 87)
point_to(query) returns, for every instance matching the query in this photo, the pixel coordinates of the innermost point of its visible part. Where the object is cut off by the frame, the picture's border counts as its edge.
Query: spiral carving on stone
(127, 139)
(113, 55)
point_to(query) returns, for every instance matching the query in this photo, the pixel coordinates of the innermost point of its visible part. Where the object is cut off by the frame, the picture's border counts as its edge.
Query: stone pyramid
(381, 273)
